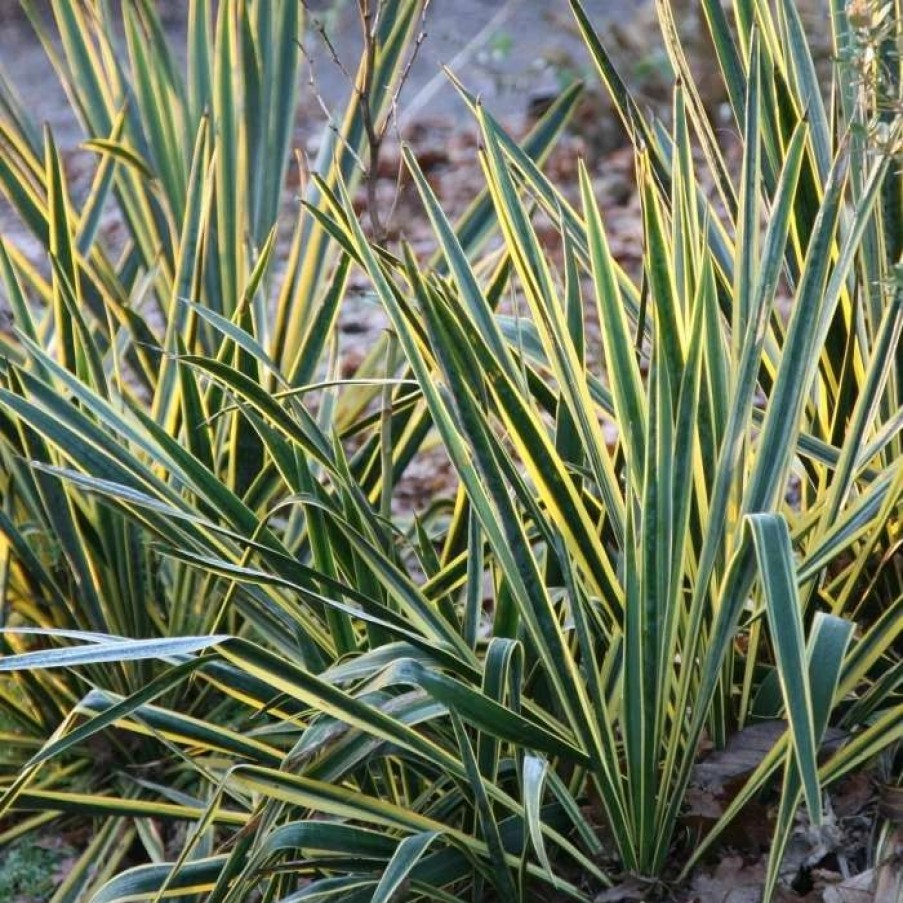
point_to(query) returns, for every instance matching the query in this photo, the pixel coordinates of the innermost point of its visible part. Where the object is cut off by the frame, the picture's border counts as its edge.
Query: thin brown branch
(365, 97)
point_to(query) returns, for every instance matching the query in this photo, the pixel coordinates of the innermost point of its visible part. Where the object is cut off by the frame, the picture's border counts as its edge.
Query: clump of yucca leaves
(327, 697)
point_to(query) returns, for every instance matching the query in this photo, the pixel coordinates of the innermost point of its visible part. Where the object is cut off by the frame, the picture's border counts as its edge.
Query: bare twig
(392, 116)
(331, 124)
(369, 23)
(320, 29)
(375, 126)
(418, 43)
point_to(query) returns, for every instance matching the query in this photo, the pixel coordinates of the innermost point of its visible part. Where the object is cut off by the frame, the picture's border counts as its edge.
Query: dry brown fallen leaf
(628, 890)
(889, 878)
(857, 889)
(742, 754)
(734, 881)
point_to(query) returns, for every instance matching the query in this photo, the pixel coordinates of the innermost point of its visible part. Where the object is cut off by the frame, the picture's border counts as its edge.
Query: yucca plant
(506, 697)
(190, 174)
(634, 577)
(128, 330)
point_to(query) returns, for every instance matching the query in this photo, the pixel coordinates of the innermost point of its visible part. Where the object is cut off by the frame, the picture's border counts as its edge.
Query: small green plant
(28, 871)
